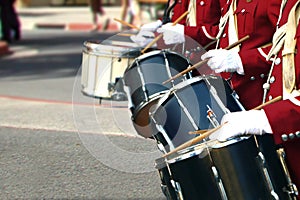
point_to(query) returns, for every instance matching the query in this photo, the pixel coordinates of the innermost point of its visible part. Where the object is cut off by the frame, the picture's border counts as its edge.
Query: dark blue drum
(143, 81)
(196, 104)
(245, 168)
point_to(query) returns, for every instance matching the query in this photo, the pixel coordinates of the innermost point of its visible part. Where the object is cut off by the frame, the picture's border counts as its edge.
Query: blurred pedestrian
(97, 9)
(131, 12)
(11, 26)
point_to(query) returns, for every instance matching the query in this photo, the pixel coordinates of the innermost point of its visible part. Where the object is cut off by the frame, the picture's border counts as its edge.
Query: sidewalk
(66, 17)
(71, 18)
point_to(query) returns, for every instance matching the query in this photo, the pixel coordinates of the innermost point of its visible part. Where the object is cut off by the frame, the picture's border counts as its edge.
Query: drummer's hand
(152, 26)
(222, 60)
(240, 123)
(143, 38)
(172, 34)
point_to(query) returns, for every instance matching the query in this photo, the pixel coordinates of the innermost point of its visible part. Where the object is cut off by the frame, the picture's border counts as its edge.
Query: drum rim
(195, 150)
(110, 50)
(180, 86)
(142, 104)
(230, 141)
(155, 52)
(188, 152)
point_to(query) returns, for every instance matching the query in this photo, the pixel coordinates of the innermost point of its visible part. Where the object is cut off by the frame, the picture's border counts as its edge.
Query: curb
(77, 26)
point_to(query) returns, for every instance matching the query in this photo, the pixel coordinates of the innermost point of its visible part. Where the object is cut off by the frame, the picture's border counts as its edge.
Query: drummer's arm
(203, 34)
(284, 118)
(258, 63)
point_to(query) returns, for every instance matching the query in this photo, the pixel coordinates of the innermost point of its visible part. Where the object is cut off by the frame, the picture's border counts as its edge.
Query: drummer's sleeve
(203, 34)
(258, 63)
(180, 8)
(284, 118)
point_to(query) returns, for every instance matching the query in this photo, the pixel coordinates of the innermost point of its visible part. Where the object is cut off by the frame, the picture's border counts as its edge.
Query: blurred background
(48, 128)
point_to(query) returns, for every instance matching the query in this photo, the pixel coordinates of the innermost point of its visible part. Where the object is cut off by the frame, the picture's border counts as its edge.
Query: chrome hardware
(291, 188)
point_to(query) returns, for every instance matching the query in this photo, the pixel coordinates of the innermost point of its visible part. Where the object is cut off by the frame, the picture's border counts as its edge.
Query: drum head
(111, 49)
(185, 108)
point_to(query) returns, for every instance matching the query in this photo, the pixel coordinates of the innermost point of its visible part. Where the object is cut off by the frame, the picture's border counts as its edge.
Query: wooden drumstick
(198, 131)
(204, 61)
(160, 35)
(267, 103)
(125, 34)
(256, 108)
(151, 43)
(127, 24)
(194, 140)
(209, 132)
(180, 18)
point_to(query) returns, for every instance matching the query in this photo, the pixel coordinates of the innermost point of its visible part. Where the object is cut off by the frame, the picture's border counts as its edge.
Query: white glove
(152, 26)
(240, 123)
(143, 38)
(222, 60)
(172, 34)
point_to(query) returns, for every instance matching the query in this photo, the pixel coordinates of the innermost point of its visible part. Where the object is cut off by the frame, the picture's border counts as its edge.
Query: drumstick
(127, 24)
(160, 35)
(125, 34)
(194, 140)
(267, 103)
(151, 43)
(198, 131)
(205, 60)
(209, 132)
(180, 18)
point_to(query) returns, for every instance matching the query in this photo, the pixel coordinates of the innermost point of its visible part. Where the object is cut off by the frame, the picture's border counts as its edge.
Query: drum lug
(220, 183)
(165, 191)
(110, 86)
(211, 116)
(265, 173)
(236, 98)
(178, 190)
(292, 191)
(291, 188)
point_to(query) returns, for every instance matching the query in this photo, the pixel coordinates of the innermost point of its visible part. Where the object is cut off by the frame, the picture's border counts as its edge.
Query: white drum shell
(101, 65)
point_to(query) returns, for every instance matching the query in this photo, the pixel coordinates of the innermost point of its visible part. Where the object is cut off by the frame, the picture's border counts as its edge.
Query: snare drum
(195, 104)
(103, 65)
(166, 185)
(143, 81)
(191, 174)
(230, 170)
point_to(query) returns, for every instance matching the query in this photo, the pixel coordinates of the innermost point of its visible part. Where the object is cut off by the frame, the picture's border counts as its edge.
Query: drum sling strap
(191, 17)
(289, 79)
(229, 18)
(286, 39)
(288, 53)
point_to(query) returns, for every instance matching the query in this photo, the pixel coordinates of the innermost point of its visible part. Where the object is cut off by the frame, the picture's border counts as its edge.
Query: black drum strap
(168, 9)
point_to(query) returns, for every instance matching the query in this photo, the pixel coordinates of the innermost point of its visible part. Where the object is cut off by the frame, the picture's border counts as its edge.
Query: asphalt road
(56, 143)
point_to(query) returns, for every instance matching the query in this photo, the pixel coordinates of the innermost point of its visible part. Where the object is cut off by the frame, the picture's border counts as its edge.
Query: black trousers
(9, 21)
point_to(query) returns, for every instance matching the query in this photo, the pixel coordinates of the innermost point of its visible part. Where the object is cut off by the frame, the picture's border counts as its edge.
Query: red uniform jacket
(284, 116)
(208, 12)
(257, 19)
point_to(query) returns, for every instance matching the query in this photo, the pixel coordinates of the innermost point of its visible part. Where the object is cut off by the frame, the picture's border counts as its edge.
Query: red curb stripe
(106, 105)
(76, 26)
